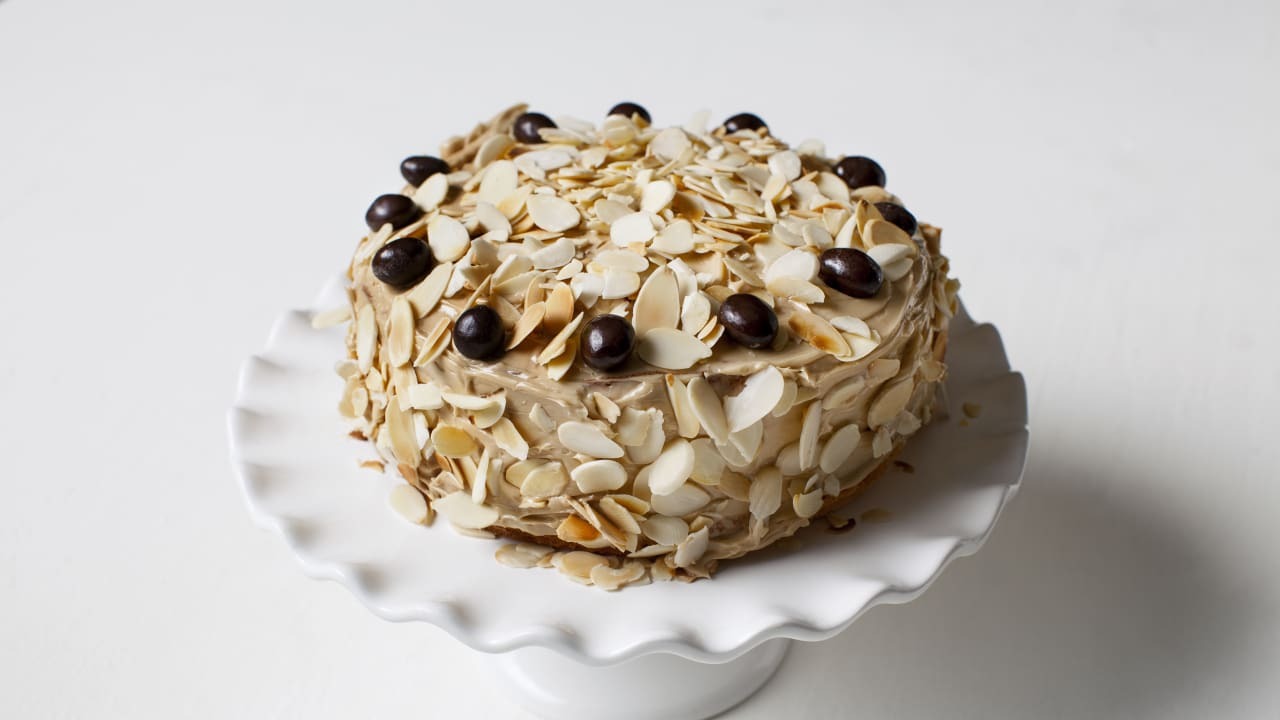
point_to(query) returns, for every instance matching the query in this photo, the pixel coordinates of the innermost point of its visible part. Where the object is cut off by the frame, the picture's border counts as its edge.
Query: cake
(639, 350)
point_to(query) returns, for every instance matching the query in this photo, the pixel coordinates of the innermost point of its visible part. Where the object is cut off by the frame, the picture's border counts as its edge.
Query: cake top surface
(552, 224)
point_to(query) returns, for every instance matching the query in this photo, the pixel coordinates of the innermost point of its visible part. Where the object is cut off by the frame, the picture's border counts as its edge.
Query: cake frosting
(694, 447)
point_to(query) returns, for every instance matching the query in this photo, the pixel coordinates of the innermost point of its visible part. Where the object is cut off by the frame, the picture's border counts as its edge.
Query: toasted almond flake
(864, 212)
(672, 468)
(516, 473)
(329, 318)
(851, 325)
(708, 464)
(480, 483)
(800, 264)
(657, 196)
(844, 236)
(819, 333)
(621, 260)
(366, 337)
(882, 443)
(560, 342)
(838, 448)
(528, 322)
(882, 232)
(610, 211)
(409, 503)
(452, 441)
(651, 446)
(809, 435)
(619, 514)
(432, 192)
(400, 332)
(808, 504)
(665, 530)
(493, 147)
(669, 144)
(678, 395)
(788, 398)
(748, 441)
(617, 283)
(632, 229)
(555, 255)
(574, 529)
(785, 163)
(695, 313)
(658, 303)
(448, 238)
(746, 274)
(404, 441)
(816, 235)
(889, 403)
(599, 476)
(462, 511)
(684, 500)
(588, 439)
(463, 401)
(671, 349)
(759, 396)
(521, 555)
(607, 409)
(552, 213)
(545, 481)
(889, 253)
(491, 218)
(693, 548)
(509, 439)
(434, 341)
(765, 493)
(559, 367)
(559, 307)
(708, 410)
(894, 272)
(884, 368)
(578, 564)
(632, 427)
(426, 295)
(487, 416)
(676, 238)
(796, 289)
(611, 578)
(500, 180)
(541, 419)
(830, 185)
(425, 396)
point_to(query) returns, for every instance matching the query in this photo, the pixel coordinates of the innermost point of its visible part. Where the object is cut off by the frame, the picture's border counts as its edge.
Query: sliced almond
(607, 409)
(686, 422)
(331, 317)
(765, 493)
(400, 332)
(684, 500)
(621, 260)
(558, 344)
(759, 396)
(366, 337)
(654, 439)
(404, 439)
(800, 264)
(665, 530)
(452, 441)
(632, 427)
(459, 509)
(672, 468)
(708, 463)
(574, 529)
(883, 232)
(491, 218)
(521, 555)
(838, 448)
(692, 549)
(528, 322)
(588, 439)
(808, 504)
(500, 180)
(889, 403)
(669, 144)
(426, 396)
(658, 304)
(559, 367)
(508, 437)
(748, 441)
(677, 238)
(432, 192)
(545, 481)
(657, 196)
(552, 213)
(796, 289)
(632, 229)
(619, 515)
(448, 238)
(671, 349)
(819, 333)
(599, 476)
(708, 409)
(809, 435)
(409, 504)
(555, 255)
(559, 307)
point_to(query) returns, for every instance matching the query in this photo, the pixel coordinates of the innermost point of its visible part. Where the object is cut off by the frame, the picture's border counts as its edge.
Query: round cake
(640, 350)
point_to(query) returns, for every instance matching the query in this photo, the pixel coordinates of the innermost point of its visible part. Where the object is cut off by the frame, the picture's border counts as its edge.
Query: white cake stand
(571, 651)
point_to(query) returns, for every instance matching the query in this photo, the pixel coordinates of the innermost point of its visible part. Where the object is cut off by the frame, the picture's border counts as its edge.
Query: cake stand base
(658, 685)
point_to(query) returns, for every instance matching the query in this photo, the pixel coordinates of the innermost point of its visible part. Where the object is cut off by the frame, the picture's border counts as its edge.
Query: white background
(173, 175)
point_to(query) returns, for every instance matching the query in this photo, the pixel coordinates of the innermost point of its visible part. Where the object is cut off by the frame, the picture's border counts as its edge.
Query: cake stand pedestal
(553, 686)
(669, 649)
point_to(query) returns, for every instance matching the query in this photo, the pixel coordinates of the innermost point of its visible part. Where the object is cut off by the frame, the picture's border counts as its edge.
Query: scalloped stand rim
(551, 685)
(565, 658)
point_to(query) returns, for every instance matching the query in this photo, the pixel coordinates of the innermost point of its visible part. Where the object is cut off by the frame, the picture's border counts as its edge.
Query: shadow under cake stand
(571, 651)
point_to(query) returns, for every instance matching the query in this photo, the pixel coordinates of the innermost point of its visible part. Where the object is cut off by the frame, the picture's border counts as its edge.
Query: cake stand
(571, 651)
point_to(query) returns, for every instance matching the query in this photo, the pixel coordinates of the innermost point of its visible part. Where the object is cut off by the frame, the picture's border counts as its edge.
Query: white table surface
(173, 175)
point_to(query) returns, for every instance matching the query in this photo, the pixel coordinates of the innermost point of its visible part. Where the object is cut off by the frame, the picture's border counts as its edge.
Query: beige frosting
(883, 382)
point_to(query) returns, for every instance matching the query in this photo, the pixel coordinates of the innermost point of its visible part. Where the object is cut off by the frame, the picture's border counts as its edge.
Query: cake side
(695, 448)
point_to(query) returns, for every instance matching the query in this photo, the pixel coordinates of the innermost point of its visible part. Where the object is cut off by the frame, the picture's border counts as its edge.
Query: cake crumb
(374, 465)
(971, 410)
(904, 466)
(838, 524)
